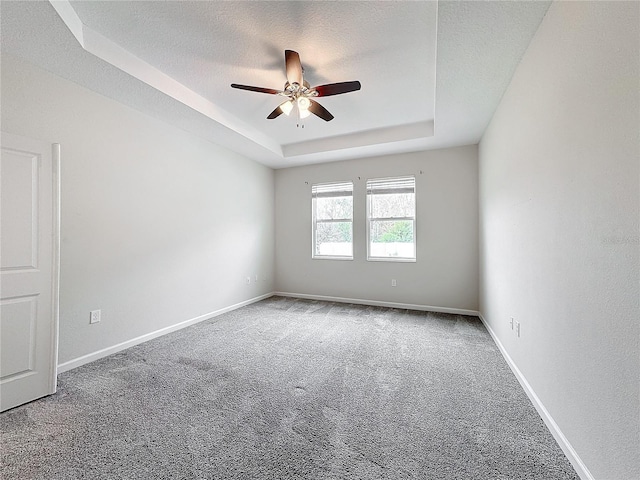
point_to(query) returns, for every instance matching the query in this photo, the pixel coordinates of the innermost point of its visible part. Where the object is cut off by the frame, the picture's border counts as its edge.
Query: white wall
(158, 226)
(445, 274)
(559, 200)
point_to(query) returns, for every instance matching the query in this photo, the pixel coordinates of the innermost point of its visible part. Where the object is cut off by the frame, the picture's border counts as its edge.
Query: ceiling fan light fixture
(303, 104)
(286, 107)
(304, 113)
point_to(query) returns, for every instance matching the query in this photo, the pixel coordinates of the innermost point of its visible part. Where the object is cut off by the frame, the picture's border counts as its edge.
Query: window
(332, 206)
(391, 218)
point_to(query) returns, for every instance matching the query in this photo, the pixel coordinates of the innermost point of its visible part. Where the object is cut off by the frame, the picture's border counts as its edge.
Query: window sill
(326, 257)
(391, 259)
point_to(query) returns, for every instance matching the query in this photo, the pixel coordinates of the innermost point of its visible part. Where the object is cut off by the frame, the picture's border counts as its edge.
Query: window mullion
(391, 219)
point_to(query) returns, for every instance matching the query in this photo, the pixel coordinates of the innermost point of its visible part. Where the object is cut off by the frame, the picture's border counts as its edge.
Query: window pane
(334, 208)
(334, 239)
(392, 205)
(392, 239)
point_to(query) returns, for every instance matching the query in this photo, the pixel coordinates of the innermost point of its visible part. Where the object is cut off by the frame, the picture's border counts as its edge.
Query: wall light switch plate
(518, 329)
(394, 283)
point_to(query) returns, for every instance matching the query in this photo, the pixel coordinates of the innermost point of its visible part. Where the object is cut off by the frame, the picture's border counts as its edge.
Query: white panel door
(28, 270)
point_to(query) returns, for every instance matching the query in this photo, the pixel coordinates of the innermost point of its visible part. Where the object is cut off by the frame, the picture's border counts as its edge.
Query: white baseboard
(105, 352)
(376, 303)
(579, 466)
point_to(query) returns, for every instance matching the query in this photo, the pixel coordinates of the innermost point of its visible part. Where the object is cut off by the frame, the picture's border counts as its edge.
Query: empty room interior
(320, 240)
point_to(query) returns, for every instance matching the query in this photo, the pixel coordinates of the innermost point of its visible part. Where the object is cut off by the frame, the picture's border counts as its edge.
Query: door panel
(19, 210)
(28, 270)
(17, 335)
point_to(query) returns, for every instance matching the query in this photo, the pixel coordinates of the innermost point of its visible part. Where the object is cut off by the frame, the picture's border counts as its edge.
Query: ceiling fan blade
(293, 67)
(255, 89)
(276, 113)
(337, 88)
(320, 111)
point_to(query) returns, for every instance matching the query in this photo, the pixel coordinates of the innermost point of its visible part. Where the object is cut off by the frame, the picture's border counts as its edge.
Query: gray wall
(157, 227)
(446, 272)
(559, 201)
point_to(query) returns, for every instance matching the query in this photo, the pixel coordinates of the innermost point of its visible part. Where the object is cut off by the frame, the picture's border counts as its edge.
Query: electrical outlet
(518, 329)
(248, 280)
(94, 316)
(393, 282)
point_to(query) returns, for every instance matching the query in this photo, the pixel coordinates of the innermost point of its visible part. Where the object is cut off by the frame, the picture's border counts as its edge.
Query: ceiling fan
(299, 93)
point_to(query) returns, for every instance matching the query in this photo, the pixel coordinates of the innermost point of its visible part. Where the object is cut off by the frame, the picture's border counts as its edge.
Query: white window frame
(370, 186)
(325, 190)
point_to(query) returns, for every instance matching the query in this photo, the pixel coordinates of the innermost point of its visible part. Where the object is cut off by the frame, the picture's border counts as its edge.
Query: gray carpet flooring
(291, 389)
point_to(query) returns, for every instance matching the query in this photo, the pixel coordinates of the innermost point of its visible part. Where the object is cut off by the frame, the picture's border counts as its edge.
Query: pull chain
(299, 124)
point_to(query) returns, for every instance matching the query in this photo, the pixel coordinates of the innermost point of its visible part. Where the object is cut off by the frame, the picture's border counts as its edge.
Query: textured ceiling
(432, 73)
